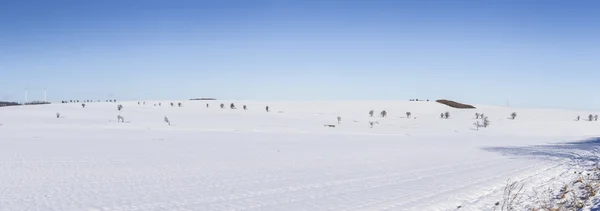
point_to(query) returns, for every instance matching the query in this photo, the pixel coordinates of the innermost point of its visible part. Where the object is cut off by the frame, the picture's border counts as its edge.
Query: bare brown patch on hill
(455, 104)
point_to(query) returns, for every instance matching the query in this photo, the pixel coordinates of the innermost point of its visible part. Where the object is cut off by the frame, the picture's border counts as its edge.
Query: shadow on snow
(580, 152)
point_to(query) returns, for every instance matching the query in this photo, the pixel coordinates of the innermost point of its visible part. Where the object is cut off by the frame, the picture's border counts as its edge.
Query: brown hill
(455, 104)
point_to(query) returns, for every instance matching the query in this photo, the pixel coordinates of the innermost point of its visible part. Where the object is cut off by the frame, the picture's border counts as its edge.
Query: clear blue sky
(534, 53)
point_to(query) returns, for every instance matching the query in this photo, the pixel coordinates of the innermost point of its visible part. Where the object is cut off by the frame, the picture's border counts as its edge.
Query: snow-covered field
(223, 159)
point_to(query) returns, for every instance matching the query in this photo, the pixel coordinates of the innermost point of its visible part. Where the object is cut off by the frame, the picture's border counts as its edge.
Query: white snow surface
(224, 159)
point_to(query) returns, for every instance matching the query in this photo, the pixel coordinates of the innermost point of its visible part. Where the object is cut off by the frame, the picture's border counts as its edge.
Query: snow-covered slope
(223, 159)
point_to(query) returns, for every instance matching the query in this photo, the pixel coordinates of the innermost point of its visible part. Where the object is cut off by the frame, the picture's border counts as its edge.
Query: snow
(223, 159)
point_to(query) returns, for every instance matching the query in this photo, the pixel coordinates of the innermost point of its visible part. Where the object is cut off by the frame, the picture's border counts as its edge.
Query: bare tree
(591, 117)
(384, 113)
(476, 115)
(578, 118)
(57, 115)
(232, 106)
(207, 105)
(596, 117)
(267, 108)
(513, 115)
(486, 122)
(222, 105)
(120, 118)
(83, 105)
(245, 108)
(408, 114)
(339, 119)
(167, 120)
(179, 104)
(442, 115)
(447, 115)
(172, 104)
(119, 107)
(371, 112)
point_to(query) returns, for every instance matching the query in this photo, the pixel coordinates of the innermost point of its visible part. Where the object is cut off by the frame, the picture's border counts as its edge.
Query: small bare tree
(447, 115)
(339, 119)
(408, 114)
(476, 115)
(245, 108)
(172, 104)
(486, 122)
(383, 113)
(167, 120)
(591, 117)
(222, 105)
(578, 118)
(83, 105)
(371, 112)
(596, 117)
(119, 107)
(57, 115)
(513, 115)
(120, 118)
(442, 115)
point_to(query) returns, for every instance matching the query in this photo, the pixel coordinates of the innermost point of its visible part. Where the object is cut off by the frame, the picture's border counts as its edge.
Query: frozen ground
(223, 159)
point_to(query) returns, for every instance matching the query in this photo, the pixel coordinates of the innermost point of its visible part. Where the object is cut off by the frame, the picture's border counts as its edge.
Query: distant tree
(155, 105)
(115, 100)
(207, 105)
(486, 122)
(481, 116)
(383, 113)
(513, 115)
(408, 114)
(371, 112)
(120, 118)
(339, 119)
(578, 118)
(223, 105)
(159, 104)
(71, 101)
(447, 115)
(476, 115)
(232, 106)
(245, 108)
(427, 100)
(596, 117)
(442, 115)
(57, 115)
(78, 101)
(144, 102)
(120, 107)
(139, 103)
(416, 99)
(172, 104)
(591, 117)
(179, 104)
(167, 120)
(267, 108)
(83, 105)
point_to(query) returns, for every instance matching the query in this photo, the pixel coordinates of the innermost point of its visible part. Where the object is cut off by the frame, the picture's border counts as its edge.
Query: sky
(530, 53)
